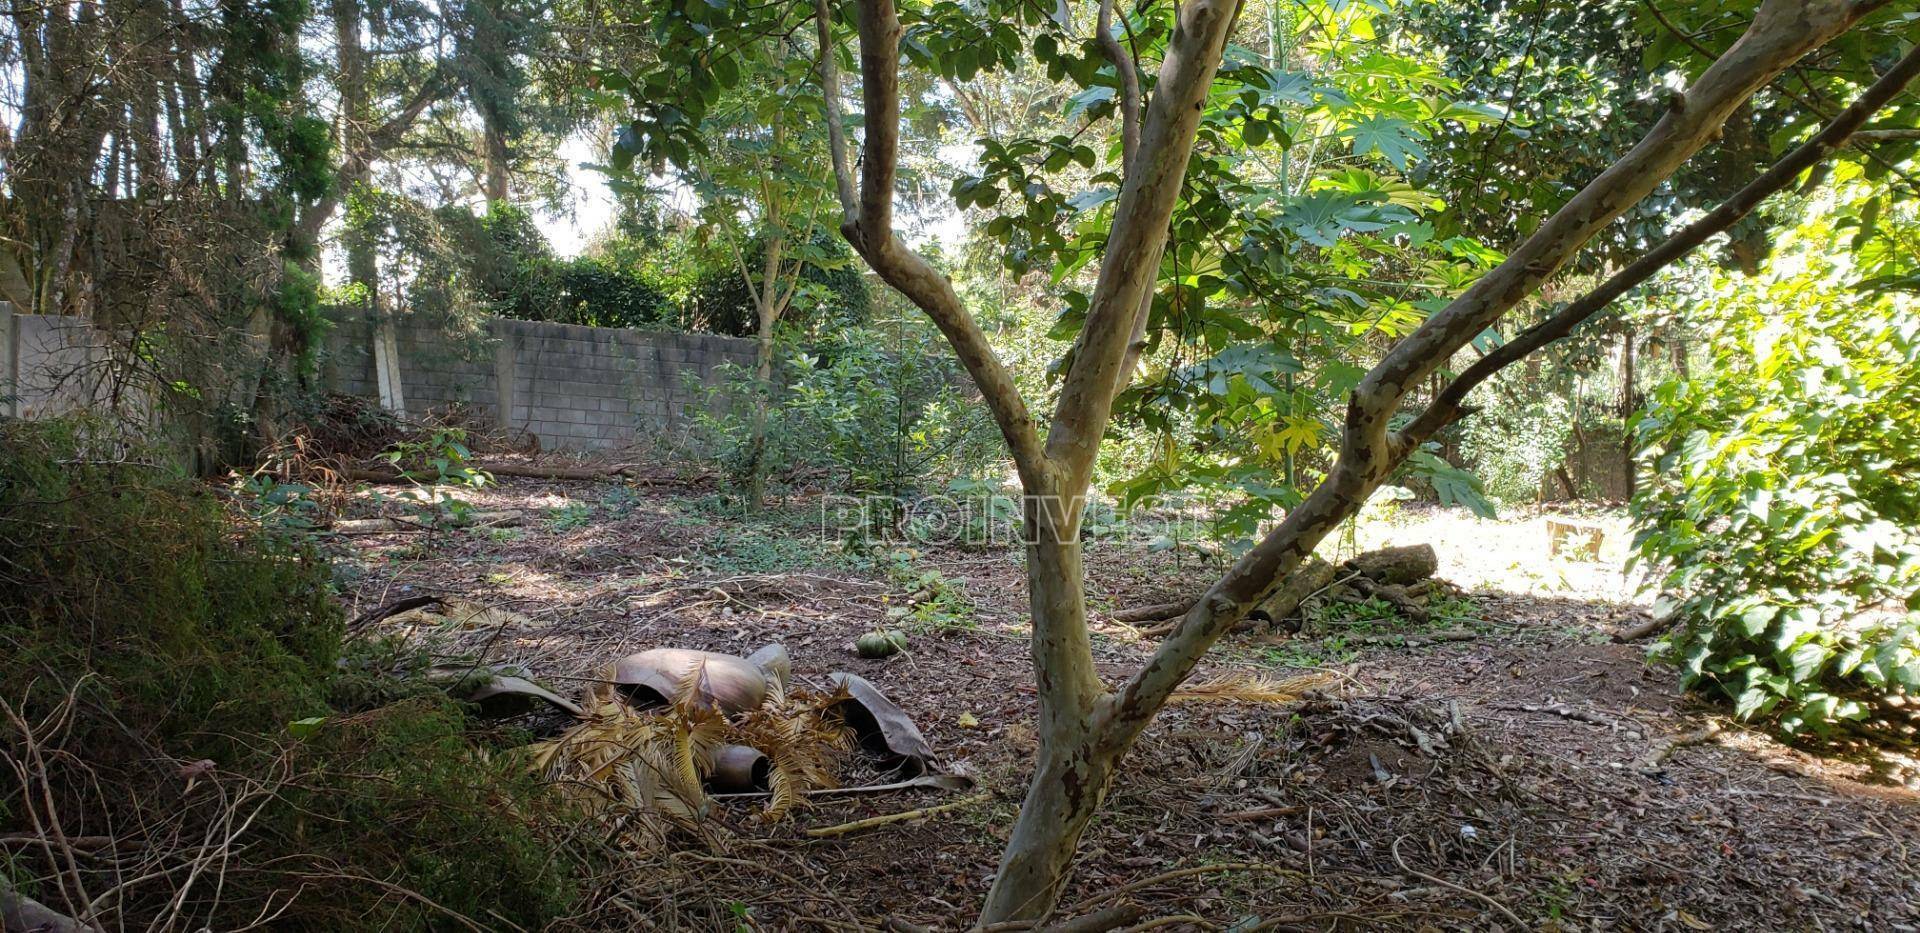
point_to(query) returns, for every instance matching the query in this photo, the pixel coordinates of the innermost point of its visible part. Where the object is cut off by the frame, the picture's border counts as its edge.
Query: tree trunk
(1069, 784)
(763, 386)
(497, 161)
(767, 313)
(1629, 403)
(1076, 760)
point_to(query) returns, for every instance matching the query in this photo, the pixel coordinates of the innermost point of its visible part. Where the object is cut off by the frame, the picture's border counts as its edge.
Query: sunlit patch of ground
(1510, 554)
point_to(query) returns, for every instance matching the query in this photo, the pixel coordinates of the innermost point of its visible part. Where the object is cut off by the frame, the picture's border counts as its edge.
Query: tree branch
(836, 122)
(1447, 406)
(872, 234)
(1128, 69)
(1865, 137)
(1781, 32)
(396, 126)
(1128, 269)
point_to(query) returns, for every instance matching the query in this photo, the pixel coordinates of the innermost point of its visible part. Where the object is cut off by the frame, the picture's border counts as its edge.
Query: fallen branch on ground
(626, 472)
(394, 525)
(950, 782)
(872, 821)
(1567, 712)
(1645, 628)
(1657, 756)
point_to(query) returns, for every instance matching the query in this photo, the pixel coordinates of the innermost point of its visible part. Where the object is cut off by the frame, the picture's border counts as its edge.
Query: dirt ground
(1507, 766)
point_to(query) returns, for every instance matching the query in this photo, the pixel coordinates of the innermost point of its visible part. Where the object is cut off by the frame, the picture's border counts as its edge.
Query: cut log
(1396, 596)
(1312, 577)
(1386, 573)
(1153, 613)
(1399, 566)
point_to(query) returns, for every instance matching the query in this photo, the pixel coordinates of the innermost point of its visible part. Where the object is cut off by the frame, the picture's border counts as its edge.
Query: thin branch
(1781, 32)
(1127, 67)
(836, 122)
(1447, 407)
(1865, 137)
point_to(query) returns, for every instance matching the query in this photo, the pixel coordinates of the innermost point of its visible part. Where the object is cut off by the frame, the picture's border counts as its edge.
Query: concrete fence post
(386, 366)
(505, 350)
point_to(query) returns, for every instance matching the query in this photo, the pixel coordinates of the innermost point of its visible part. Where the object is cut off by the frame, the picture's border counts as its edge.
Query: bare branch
(1782, 31)
(1865, 137)
(871, 232)
(836, 122)
(1146, 204)
(1129, 71)
(1446, 407)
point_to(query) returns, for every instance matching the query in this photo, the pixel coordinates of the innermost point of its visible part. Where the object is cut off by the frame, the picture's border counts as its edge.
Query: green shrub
(515, 271)
(184, 625)
(598, 293)
(401, 795)
(186, 632)
(1514, 442)
(870, 411)
(1783, 510)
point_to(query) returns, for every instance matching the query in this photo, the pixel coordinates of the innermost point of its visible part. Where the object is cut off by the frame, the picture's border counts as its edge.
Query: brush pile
(669, 728)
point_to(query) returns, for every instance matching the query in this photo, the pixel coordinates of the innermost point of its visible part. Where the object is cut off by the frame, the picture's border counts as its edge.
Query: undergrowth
(1351, 625)
(172, 686)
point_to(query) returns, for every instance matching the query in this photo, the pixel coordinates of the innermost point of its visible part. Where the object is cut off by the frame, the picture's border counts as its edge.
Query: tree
(1085, 727)
(757, 166)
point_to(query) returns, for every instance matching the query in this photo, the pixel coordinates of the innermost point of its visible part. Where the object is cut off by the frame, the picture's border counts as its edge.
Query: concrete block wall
(51, 365)
(573, 387)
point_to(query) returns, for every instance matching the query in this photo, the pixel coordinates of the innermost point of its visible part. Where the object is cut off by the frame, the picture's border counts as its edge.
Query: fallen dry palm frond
(646, 763)
(805, 742)
(1249, 687)
(652, 765)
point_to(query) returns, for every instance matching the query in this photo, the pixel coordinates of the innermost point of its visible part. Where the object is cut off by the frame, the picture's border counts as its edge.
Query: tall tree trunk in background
(769, 301)
(355, 178)
(1629, 404)
(766, 314)
(497, 158)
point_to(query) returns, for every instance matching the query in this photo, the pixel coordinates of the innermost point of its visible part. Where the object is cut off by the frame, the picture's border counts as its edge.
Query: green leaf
(1391, 138)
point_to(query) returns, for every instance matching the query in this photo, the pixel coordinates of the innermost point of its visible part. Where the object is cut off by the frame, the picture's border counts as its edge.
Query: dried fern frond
(1248, 687)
